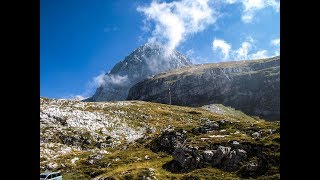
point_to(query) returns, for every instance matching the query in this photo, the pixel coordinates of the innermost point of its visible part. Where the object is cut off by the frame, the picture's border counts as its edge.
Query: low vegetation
(112, 140)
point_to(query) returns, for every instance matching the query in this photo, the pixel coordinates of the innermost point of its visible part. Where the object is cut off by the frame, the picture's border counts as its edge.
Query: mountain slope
(251, 86)
(143, 140)
(145, 61)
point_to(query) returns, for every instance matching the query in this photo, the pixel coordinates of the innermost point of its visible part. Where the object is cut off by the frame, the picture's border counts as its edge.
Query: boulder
(168, 141)
(206, 127)
(255, 135)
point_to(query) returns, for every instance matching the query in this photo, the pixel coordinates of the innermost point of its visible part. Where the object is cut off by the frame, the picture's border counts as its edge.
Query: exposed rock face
(251, 86)
(222, 157)
(188, 157)
(168, 141)
(145, 61)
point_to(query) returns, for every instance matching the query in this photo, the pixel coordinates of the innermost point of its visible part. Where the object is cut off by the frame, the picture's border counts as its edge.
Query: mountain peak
(147, 60)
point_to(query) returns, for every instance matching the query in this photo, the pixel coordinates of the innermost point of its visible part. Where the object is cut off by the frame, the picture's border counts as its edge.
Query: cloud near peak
(175, 21)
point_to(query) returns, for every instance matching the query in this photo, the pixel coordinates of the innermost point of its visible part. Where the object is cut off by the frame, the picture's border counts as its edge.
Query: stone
(252, 166)
(74, 160)
(146, 157)
(208, 155)
(52, 165)
(188, 157)
(220, 154)
(255, 135)
(168, 140)
(234, 158)
(206, 127)
(235, 143)
(92, 159)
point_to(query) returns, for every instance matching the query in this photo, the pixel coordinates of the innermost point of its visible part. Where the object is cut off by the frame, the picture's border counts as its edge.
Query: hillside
(144, 140)
(252, 86)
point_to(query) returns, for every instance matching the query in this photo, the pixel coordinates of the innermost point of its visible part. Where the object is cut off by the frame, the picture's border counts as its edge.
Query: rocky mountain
(143, 62)
(252, 86)
(144, 140)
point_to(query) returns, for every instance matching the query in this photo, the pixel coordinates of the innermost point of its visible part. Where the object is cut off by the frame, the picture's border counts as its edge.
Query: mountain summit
(147, 60)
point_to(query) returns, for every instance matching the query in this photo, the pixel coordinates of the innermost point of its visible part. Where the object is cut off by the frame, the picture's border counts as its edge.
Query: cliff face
(250, 86)
(145, 61)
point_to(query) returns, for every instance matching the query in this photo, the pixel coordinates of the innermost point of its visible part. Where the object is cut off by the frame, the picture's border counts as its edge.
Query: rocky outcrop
(247, 159)
(145, 61)
(168, 141)
(223, 157)
(251, 86)
(187, 157)
(143, 140)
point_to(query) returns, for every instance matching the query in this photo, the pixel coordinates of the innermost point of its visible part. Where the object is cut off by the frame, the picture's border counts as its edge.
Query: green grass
(128, 160)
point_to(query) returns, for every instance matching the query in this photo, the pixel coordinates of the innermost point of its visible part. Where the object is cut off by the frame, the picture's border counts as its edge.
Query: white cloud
(275, 4)
(103, 79)
(245, 51)
(259, 55)
(79, 98)
(223, 46)
(99, 80)
(116, 79)
(74, 97)
(230, 1)
(242, 52)
(250, 7)
(175, 21)
(275, 42)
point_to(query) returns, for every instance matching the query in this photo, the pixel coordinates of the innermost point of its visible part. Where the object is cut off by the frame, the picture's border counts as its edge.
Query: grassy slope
(129, 160)
(200, 68)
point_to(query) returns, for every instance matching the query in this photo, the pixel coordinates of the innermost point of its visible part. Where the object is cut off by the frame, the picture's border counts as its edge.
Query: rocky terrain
(145, 61)
(145, 140)
(252, 86)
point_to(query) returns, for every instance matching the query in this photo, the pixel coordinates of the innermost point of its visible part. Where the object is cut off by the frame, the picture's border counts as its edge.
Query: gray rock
(223, 157)
(234, 158)
(252, 166)
(51, 166)
(221, 153)
(188, 157)
(92, 159)
(255, 135)
(208, 155)
(235, 143)
(250, 86)
(168, 141)
(206, 127)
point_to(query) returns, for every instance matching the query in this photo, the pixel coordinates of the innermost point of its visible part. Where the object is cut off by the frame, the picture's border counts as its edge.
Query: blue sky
(79, 40)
